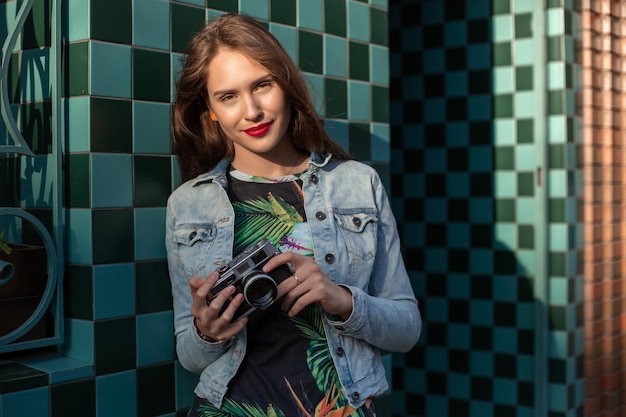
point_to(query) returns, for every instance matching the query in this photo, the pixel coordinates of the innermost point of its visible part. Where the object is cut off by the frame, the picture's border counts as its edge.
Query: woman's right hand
(207, 318)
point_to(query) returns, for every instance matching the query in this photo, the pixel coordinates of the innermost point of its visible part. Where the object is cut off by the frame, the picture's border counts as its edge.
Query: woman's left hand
(309, 285)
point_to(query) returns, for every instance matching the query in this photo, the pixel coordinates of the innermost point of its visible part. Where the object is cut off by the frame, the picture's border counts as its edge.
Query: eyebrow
(255, 82)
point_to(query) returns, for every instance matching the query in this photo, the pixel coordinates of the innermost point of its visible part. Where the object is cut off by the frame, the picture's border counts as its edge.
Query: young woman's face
(249, 105)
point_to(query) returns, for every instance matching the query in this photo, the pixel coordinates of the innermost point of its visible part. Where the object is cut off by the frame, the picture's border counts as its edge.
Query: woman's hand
(310, 285)
(207, 318)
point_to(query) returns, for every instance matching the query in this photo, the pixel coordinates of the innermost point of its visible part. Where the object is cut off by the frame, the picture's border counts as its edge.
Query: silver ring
(297, 280)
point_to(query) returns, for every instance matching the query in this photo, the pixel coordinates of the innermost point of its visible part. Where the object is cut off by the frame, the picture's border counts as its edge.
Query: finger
(281, 259)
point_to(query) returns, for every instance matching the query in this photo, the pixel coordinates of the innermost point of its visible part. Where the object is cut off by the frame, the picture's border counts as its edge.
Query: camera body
(245, 273)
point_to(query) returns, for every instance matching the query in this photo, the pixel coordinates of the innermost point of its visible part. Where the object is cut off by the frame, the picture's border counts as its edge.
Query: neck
(261, 166)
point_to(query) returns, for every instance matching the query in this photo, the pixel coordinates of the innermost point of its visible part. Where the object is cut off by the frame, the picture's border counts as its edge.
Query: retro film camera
(245, 273)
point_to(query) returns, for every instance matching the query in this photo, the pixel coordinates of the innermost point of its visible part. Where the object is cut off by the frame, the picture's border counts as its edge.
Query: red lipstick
(258, 130)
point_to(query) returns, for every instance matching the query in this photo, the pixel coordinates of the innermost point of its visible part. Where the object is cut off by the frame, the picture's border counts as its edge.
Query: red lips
(258, 130)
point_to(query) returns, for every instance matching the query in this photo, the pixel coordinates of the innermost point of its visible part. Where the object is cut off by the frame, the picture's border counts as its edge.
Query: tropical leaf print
(233, 409)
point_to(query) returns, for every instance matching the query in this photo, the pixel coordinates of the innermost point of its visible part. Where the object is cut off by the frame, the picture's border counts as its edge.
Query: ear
(212, 116)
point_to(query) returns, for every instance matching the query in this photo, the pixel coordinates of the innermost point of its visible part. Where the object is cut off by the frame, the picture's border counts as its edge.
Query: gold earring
(212, 116)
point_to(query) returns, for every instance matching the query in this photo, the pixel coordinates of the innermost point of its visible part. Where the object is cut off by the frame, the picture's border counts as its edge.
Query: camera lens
(260, 290)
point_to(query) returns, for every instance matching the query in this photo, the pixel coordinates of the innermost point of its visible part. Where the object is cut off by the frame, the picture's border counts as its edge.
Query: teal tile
(110, 125)
(310, 14)
(151, 75)
(358, 21)
(186, 382)
(505, 184)
(17, 377)
(36, 31)
(502, 27)
(360, 141)
(380, 143)
(503, 79)
(455, 33)
(155, 390)
(336, 92)
(150, 18)
(116, 395)
(338, 131)
(315, 84)
(524, 51)
(113, 235)
(78, 341)
(115, 345)
(76, 69)
(78, 14)
(359, 100)
(151, 180)
(335, 56)
(35, 83)
(254, 8)
(149, 233)
(185, 21)
(283, 11)
(151, 127)
(154, 291)
(310, 47)
(379, 59)
(77, 183)
(60, 368)
(201, 3)
(155, 338)
(77, 127)
(335, 17)
(31, 402)
(379, 27)
(78, 245)
(110, 70)
(78, 292)
(287, 36)
(114, 291)
(359, 61)
(380, 104)
(111, 20)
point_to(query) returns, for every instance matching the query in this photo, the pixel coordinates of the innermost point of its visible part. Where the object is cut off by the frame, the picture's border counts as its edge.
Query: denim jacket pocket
(359, 229)
(194, 243)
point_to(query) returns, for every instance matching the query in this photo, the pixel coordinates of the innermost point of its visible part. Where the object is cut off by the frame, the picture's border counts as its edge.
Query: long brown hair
(199, 142)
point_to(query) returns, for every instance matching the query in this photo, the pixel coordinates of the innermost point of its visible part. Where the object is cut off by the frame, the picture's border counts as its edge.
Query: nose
(253, 109)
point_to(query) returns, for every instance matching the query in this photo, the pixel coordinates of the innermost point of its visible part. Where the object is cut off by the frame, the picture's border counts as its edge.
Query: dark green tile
(310, 46)
(73, 399)
(555, 48)
(502, 54)
(556, 103)
(10, 174)
(525, 184)
(115, 345)
(523, 25)
(151, 75)
(76, 69)
(505, 210)
(111, 20)
(524, 78)
(283, 11)
(360, 141)
(14, 78)
(504, 157)
(77, 181)
(78, 292)
(335, 17)
(569, 75)
(567, 22)
(36, 119)
(556, 156)
(525, 237)
(111, 125)
(156, 390)
(185, 21)
(557, 266)
(30, 233)
(16, 377)
(336, 98)
(113, 236)
(36, 32)
(379, 27)
(557, 210)
(525, 131)
(154, 291)
(225, 5)
(503, 105)
(359, 61)
(554, 3)
(500, 7)
(153, 184)
(380, 104)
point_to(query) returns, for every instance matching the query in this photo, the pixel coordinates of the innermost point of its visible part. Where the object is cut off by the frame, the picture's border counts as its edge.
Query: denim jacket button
(356, 221)
(320, 215)
(329, 258)
(355, 396)
(192, 235)
(339, 351)
(314, 179)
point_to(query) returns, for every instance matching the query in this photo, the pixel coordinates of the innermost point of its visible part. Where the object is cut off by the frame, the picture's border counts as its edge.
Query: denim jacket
(356, 244)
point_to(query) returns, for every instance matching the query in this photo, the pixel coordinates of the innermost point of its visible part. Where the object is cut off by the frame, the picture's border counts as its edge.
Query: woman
(256, 163)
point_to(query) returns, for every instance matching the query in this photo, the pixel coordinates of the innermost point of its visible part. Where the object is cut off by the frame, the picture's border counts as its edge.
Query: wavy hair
(199, 143)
